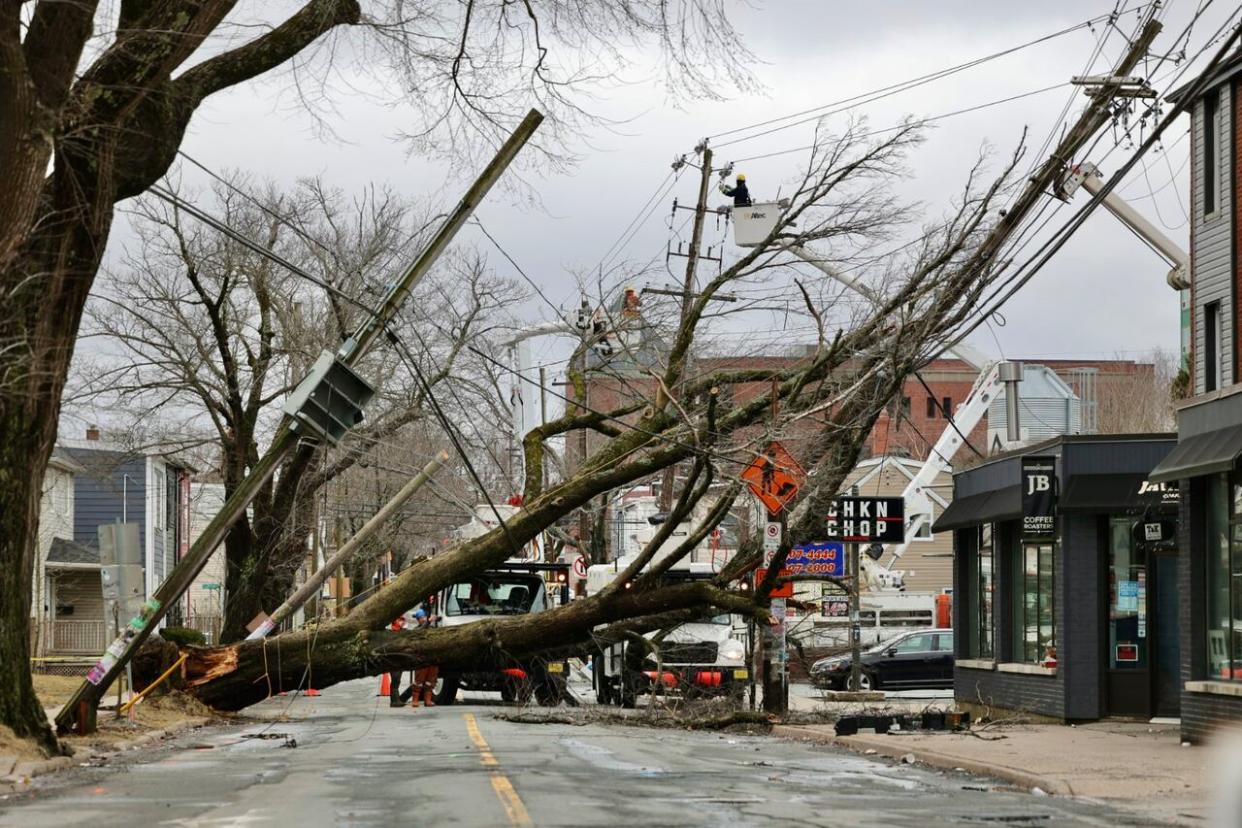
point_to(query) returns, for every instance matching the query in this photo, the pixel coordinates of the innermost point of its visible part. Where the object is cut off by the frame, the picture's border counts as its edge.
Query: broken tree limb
(235, 676)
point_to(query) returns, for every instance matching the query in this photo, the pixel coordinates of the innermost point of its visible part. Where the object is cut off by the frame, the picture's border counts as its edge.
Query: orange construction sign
(774, 477)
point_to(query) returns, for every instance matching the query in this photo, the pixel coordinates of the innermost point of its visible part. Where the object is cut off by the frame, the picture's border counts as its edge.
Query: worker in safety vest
(395, 697)
(425, 677)
(739, 193)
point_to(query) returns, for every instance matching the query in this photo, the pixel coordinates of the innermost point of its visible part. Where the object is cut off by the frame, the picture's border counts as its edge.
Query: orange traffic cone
(385, 686)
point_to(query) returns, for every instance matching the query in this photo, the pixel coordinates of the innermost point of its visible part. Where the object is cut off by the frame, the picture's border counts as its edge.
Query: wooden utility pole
(668, 480)
(287, 438)
(855, 613)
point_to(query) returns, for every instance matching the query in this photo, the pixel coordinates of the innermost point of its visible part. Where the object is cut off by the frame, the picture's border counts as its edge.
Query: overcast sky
(1103, 295)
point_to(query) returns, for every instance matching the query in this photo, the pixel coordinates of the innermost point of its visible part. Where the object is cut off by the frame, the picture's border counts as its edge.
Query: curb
(892, 748)
(17, 775)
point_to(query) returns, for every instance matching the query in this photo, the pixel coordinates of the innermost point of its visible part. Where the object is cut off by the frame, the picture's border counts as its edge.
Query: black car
(913, 660)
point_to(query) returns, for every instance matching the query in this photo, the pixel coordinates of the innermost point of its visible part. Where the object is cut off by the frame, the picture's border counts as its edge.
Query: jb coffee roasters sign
(1039, 497)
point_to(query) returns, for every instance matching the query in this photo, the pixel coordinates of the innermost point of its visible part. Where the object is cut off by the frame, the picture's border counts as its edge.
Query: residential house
(113, 483)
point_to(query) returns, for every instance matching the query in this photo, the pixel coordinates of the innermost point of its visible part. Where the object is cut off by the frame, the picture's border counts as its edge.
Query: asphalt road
(347, 759)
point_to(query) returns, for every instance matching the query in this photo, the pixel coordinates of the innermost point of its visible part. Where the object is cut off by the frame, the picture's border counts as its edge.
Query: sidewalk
(1136, 765)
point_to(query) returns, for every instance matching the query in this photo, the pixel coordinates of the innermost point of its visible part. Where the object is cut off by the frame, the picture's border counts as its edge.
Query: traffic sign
(784, 590)
(771, 536)
(580, 566)
(867, 519)
(774, 477)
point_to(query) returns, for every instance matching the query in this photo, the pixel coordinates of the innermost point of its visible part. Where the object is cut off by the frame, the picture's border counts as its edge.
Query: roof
(71, 553)
(1231, 66)
(60, 459)
(1061, 439)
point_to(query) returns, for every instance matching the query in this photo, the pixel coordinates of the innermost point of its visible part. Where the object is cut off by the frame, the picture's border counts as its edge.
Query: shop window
(1127, 603)
(979, 586)
(1035, 581)
(1224, 579)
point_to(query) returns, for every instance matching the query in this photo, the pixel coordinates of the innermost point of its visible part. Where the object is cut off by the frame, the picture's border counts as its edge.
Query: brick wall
(1010, 692)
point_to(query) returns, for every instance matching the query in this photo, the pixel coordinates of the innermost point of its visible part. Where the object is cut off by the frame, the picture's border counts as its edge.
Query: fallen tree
(836, 394)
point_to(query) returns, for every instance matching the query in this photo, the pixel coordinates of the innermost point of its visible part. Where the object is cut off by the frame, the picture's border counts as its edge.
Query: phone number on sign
(826, 568)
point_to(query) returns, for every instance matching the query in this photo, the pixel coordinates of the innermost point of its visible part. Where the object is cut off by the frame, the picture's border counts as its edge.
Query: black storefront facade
(1205, 467)
(1078, 616)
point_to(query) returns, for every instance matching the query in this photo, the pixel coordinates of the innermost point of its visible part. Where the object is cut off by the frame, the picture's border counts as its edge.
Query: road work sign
(867, 519)
(774, 477)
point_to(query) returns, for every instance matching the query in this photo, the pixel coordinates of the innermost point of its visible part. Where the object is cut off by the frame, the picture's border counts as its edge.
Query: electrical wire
(892, 89)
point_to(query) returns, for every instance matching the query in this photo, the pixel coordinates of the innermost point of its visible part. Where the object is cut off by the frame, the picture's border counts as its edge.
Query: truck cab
(518, 587)
(706, 657)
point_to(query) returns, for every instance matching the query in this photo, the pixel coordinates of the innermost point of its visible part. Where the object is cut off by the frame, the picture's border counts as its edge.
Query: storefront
(1067, 600)
(1205, 467)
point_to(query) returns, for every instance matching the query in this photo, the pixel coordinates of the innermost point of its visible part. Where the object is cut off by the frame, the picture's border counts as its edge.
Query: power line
(920, 122)
(892, 89)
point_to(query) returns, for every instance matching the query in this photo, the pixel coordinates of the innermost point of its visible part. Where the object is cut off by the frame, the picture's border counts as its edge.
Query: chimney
(92, 432)
(880, 434)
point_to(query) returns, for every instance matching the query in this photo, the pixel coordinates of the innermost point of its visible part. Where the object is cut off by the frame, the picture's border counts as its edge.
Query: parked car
(913, 660)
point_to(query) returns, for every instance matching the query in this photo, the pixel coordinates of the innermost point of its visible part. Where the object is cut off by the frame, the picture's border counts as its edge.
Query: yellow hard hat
(741, 176)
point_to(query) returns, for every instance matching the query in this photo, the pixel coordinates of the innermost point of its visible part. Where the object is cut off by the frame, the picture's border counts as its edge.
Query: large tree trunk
(24, 449)
(235, 676)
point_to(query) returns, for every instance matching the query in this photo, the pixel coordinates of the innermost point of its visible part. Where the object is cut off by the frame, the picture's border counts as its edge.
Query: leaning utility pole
(668, 480)
(315, 411)
(346, 551)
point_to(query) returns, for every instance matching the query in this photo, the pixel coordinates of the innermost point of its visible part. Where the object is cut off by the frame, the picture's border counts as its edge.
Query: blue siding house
(143, 486)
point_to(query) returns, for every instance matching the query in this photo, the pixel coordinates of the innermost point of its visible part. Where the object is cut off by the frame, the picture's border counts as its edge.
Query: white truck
(699, 658)
(517, 587)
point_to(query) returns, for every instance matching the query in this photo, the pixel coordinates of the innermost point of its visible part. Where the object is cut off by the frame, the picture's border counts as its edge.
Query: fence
(74, 637)
(208, 625)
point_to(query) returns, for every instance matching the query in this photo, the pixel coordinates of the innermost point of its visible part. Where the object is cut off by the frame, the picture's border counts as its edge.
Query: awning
(1102, 493)
(972, 510)
(1206, 453)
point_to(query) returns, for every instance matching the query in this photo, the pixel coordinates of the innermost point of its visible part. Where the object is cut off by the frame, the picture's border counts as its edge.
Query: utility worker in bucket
(739, 193)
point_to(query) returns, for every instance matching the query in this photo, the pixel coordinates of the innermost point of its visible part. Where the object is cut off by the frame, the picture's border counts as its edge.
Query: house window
(946, 406)
(931, 408)
(1211, 346)
(1224, 579)
(1211, 151)
(924, 532)
(979, 587)
(161, 500)
(1035, 580)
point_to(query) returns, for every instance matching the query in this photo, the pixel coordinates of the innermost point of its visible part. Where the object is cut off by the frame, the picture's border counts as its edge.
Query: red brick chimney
(92, 432)
(880, 434)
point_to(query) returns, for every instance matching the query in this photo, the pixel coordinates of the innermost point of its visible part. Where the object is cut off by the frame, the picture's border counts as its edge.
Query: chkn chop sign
(867, 519)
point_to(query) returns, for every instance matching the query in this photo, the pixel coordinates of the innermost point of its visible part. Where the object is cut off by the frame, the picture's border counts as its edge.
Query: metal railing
(86, 637)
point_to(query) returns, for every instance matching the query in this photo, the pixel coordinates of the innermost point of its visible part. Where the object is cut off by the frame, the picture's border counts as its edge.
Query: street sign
(210, 586)
(580, 566)
(867, 519)
(771, 537)
(784, 590)
(1039, 497)
(826, 559)
(774, 477)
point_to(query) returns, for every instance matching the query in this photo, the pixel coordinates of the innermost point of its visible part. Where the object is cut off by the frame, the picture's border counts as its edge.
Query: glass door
(1129, 678)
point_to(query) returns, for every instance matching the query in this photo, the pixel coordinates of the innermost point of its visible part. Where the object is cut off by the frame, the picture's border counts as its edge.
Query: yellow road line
(509, 799)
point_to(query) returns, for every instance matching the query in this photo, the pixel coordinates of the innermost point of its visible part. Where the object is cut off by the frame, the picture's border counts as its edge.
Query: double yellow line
(509, 799)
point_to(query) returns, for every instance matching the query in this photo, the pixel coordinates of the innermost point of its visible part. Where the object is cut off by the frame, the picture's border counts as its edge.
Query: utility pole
(292, 433)
(668, 480)
(775, 683)
(855, 612)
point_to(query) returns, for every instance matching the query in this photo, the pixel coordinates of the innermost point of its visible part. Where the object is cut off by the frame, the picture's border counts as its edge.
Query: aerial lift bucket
(753, 224)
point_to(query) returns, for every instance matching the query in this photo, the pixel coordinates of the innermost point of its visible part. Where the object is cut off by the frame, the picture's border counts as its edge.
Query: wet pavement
(347, 759)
